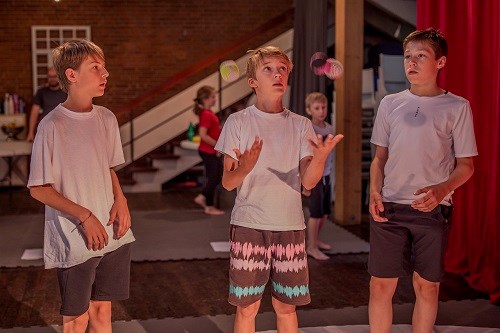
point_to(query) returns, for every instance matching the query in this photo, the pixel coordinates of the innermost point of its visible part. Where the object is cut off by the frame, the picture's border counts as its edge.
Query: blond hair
(71, 54)
(257, 58)
(315, 97)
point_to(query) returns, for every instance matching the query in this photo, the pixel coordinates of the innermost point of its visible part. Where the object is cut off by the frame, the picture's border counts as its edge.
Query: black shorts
(105, 278)
(320, 200)
(410, 241)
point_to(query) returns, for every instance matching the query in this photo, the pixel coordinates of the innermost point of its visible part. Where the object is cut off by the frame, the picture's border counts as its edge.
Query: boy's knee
(249, 311)
(383, 286)
(100, 311)
(424, 288)
(282, 308)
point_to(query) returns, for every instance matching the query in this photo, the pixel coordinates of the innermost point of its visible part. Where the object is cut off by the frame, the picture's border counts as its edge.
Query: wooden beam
(349, 51)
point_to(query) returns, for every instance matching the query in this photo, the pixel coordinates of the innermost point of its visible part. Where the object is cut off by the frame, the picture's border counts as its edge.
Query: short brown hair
(315, 97)
(257, 57)
(431, 36)
(71, 54)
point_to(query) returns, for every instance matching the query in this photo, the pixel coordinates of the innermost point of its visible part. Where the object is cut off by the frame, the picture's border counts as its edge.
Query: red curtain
(472, 29)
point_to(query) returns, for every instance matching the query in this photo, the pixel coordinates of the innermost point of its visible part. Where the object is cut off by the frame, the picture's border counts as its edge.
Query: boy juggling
(269, 152)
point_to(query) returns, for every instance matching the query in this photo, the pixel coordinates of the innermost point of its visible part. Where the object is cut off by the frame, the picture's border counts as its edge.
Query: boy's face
(271, 77)
(421, 65)
(90, 79)
(317, 111)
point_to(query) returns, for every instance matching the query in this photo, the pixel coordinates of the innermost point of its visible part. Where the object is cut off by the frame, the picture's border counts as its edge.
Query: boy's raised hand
(97, 237)
(248, 159)
(119, 216)
(322, 148)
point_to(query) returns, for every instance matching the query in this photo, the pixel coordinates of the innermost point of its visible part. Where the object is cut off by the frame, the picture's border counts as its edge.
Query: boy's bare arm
(119, 214)
(435, 194)
(236, 170)
(376, 180)
(95, 233)
(311, 168)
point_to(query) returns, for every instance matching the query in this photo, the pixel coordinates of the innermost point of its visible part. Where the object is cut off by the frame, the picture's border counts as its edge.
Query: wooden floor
(161, 289)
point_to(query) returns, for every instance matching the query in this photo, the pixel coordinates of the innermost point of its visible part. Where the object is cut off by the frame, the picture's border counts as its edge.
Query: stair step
(164, 156)
(144, 168)
(127, 181)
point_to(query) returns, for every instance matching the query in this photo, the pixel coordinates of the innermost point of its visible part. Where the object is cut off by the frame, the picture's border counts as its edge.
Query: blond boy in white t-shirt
(87, 222)
(269, 152)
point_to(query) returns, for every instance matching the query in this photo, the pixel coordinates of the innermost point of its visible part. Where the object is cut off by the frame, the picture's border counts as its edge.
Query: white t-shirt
(74, 152)
(424, 135)
(269, 197)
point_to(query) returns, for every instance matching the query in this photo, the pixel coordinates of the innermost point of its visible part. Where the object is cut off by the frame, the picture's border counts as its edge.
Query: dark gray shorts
(105, 278)
(259, 255)
(320, 200)
(410, 241)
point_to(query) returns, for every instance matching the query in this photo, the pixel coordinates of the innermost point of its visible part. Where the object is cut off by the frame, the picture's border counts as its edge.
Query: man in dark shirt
(45, 100)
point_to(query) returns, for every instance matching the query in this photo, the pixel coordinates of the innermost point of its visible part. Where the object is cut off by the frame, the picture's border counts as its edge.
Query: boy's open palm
(119, 216)
(96, 235)
(248, 159)
(322, 148)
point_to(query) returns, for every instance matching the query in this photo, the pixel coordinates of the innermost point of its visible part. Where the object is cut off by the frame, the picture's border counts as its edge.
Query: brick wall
(145, 41)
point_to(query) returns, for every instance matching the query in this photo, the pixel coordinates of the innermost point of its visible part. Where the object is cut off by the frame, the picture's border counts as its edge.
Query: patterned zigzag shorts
(257, 255)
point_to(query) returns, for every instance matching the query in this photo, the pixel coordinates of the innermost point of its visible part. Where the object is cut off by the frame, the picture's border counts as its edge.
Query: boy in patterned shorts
(269, 152)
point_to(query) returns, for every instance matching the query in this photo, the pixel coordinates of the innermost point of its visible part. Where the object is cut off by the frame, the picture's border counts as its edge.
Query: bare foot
(211, 210)
(200, 200)
(323, 245)
(317, 254)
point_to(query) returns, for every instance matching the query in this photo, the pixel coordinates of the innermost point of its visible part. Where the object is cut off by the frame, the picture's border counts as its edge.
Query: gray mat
(161, 235)
(477, 316)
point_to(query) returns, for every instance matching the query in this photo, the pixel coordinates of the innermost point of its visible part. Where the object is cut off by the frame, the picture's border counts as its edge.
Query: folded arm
(435, 194)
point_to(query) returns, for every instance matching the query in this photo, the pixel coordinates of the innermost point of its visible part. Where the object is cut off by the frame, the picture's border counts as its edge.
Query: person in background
(44, 101)
(209, 130)
(320, 198)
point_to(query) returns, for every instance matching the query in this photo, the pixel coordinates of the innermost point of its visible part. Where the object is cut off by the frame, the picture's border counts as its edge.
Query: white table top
(186, 144)
(15, 148)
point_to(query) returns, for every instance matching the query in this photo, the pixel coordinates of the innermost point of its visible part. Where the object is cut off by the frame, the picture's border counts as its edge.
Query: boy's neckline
(441, 92)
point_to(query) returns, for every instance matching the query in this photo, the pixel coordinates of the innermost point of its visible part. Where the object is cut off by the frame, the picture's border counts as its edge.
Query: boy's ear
(252, 83)
(441, 62)
(70, 75)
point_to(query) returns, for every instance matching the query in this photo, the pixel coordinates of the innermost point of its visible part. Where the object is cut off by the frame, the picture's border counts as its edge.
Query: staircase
(170, 120)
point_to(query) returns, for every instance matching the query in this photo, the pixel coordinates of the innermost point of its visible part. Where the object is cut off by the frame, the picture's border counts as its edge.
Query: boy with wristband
(87, 222)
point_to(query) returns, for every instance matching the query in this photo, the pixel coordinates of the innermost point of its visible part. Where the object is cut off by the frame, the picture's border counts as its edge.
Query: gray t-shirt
(74, 152)
(324, 131)
(269, 197)
(424, 136)
(48, 99)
